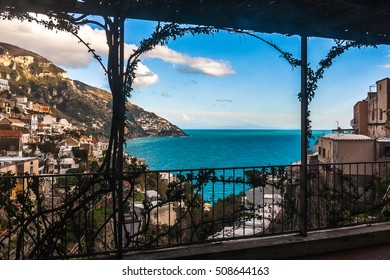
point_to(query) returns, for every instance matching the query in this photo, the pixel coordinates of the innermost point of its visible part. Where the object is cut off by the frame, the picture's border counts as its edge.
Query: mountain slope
(32, 75)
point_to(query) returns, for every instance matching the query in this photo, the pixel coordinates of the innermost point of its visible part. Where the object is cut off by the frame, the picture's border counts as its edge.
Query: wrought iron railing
(76, 215)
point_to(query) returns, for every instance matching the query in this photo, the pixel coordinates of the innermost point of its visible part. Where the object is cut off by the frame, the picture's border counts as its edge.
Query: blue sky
(219, 81)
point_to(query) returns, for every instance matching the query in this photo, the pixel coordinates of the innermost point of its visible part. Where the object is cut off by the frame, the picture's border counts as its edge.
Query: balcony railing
(79, 215)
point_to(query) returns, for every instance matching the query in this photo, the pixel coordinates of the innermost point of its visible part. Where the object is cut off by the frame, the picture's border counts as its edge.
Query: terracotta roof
(16, 121)
(12, 121)
(10, 133)
(71, 140)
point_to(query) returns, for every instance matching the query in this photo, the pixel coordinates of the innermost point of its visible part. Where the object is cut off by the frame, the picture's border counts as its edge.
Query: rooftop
(12, 121)
(17, 159)
(346, 137)
(384, 140)
(10, 133)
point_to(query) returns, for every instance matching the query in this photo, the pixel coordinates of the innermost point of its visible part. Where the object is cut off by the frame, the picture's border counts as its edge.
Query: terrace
(112, 214)
(205, 213)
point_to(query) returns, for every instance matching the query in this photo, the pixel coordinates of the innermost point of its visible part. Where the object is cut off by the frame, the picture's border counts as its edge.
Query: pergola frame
(364, 21)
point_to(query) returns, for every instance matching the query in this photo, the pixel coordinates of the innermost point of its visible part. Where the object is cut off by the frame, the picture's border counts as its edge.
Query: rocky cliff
(32, 75)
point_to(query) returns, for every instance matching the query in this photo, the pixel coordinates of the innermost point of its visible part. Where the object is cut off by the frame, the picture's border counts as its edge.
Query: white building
(263, 206)
(65, 164)
(4, 85)
(31, 121)
(21, 100)
(167, 177)
(63, 124)
(152, 195)
(25, 138)
(49, 120)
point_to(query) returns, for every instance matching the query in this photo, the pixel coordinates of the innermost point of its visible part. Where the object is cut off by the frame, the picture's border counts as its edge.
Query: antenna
(338, 129)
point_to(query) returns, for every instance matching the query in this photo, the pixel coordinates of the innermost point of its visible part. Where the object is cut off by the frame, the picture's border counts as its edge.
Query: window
(20, 168)
(381, 114)
(387, 151)
(323, 152)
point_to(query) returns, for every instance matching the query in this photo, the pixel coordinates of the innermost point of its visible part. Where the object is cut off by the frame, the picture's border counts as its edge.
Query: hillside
(34, 76)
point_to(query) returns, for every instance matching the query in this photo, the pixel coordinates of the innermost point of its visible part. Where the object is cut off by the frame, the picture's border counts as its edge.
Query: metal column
(304, 126)
(121, 137)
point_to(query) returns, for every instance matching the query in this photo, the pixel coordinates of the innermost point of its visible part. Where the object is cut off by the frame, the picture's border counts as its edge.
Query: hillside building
(19, 166)
(6, 107)
(63, 124)
(12, 124)
(4, 85)
(64, 164)
(38, 108)
(11, 143)
(23, 104)
(69, 142)
(31, 121)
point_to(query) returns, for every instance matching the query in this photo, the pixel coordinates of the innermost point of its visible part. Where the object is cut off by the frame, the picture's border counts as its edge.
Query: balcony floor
(375, 252)
(357, 242)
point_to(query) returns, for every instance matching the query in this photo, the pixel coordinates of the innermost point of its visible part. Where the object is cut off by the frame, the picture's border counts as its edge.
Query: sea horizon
(265, 128)
(221, 148)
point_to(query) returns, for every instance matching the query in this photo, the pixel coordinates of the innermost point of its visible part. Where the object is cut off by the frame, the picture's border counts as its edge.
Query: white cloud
(65, 50)
(167, 54)
(211, 67)
(224, 100)
(166, 94)
(62, 48)
(203, 65)
(144, 76)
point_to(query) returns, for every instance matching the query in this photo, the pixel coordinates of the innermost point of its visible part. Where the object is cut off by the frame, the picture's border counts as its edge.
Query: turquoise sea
(220, 148)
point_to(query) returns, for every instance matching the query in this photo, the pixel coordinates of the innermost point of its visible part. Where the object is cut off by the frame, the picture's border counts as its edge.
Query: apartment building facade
(342, 148)
(360, 117)
(371, 116)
